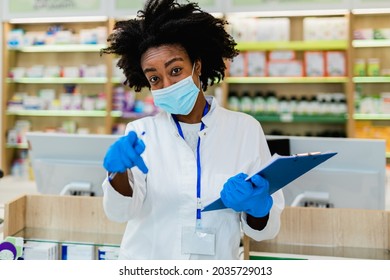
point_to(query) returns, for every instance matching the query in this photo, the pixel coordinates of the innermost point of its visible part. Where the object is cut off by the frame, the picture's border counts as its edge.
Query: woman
(191, 153)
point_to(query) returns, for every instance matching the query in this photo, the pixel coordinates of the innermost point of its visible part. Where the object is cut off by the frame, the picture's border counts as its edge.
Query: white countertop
(13, 187)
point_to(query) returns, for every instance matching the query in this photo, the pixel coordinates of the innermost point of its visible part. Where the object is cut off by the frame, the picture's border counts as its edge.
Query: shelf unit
(371, 123)
(298, 86)
(71, 55)
(103, 121)
(71, 220)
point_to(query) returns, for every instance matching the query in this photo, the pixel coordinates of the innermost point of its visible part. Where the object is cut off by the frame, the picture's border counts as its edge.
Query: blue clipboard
(282, 170)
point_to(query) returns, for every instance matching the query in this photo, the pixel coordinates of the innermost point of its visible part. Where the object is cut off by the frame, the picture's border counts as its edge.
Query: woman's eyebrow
(166, 64)
(169, 62)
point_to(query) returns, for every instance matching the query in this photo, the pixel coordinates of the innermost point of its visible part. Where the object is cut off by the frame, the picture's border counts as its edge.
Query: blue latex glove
(125, 153)
(250, 196)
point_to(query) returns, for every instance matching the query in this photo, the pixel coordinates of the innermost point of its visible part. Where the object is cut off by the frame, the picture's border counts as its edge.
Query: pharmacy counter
(316, 233)
(305, 233)
(70, 219)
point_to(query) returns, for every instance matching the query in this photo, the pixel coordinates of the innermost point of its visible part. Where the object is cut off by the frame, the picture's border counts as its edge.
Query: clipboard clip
(307, 154)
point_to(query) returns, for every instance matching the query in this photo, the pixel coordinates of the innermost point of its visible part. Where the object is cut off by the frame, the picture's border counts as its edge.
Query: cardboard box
(237, 67)
(314, 64)
(336, 64)
(256, 62)
(292, 68)
(325, 28)
(282, 55)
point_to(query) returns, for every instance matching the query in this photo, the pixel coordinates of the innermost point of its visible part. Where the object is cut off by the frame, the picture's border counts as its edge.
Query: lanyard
(198, 166)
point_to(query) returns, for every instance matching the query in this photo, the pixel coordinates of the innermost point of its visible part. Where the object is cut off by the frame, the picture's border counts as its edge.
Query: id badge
(198, 241)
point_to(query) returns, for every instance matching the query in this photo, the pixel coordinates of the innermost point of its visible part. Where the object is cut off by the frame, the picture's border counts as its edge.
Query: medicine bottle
(271, 102)
(284, 105)
(246, 102)
(233, 101)
(258, 102)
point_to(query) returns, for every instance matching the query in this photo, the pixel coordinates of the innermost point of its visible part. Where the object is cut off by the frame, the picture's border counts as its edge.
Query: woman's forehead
(163, 53)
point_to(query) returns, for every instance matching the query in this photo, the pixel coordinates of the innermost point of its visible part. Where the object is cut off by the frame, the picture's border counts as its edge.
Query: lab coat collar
(208, 120)
(211, 116)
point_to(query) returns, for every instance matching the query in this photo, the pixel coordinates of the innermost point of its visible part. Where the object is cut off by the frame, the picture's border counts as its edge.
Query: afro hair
(166, 22)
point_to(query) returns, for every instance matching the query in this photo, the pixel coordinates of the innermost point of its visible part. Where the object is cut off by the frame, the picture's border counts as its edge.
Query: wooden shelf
(94, 80)
(285, 80)
(60, 48)
(370, 43)
(17, 146)
(373, 80)
(117, 80)
(373, 117)
(57, 113)
(293, 45)
(77, 113)
(299, 118)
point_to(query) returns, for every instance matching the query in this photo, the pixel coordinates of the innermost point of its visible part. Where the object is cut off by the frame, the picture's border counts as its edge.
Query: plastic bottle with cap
(271, 102)
(246, 102)
(233, 101)
(258, 102)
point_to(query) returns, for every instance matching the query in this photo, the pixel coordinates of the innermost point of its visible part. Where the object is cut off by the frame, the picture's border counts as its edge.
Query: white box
(314, 64)
(34, 250)
(292, 68)
(336, 65)
(71, 251)
(363, 34)
(108, 253)
(272, 29)
(325, 28)
(237, 67)
(256, 63)
(282, 55)
(382, 33)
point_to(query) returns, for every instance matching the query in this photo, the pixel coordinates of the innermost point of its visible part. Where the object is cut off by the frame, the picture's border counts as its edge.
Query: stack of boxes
(285, 63)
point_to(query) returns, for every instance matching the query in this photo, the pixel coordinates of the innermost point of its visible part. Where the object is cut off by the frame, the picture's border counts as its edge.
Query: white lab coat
(164, 200)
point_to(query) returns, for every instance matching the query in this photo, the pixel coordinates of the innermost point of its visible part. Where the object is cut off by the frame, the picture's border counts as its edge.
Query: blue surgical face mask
(179, 98)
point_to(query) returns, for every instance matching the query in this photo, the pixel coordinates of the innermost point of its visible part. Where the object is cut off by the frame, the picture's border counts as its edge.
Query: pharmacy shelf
(370, 43)
(57, 113)
(70, 237)
(300, 118)
(285, 80)
(366, 80)
(95, 80)
(76, 48)
(134, 115)
(17, 146)
(373, 117)
(78, 113)
(293, 45)
(117, 80)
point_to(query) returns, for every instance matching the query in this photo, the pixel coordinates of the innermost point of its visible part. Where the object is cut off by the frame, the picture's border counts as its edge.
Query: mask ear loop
(200, 82)
(193, 68)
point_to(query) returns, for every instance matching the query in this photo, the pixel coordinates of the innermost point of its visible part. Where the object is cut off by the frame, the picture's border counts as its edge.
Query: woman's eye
(153, 79)
(176, 71)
